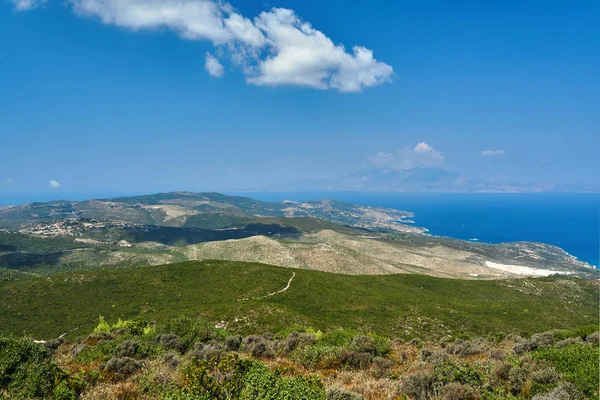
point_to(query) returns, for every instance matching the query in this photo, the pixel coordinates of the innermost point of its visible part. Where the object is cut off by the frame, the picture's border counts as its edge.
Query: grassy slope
(397, 305)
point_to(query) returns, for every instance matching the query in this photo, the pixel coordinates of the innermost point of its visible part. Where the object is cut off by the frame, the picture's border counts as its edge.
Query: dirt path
(274, 293)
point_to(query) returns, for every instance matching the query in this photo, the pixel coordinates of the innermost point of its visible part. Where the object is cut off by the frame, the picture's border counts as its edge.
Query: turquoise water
(568, 220)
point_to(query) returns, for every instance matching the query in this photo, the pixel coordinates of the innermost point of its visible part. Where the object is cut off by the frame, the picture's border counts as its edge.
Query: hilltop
(235, 294)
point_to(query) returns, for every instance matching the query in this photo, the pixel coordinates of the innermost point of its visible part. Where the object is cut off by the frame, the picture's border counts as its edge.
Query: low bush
(542, 340)
(122, 367)
(564, 391)
(211, 352)
(419, 386)
(233, 343)
(577, 363)
(261, 383)
(132, 348)
(258, 346)
(27, 370)
(355, 359)
(338, 393)
(170, 341)
(458, 391)
(464, 348)
(295, 340)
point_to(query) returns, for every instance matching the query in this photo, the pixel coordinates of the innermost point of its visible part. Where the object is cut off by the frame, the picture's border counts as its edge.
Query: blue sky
(147, 95)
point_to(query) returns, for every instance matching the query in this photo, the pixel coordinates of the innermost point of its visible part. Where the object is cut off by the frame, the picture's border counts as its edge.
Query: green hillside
(395, 305)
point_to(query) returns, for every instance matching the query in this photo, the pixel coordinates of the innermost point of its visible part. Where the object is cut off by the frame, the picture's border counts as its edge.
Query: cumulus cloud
(493, 153)
(275, 48)
(422, 155)
(54, 184)
(213, 66)
(24, 5)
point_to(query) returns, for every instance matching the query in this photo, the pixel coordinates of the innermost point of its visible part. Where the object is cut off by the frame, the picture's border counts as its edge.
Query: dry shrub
(497, 354)
(568, 341)
(564, 391)
(593, 337)
(545, 339)
(523, 346)
(337, 393)
(122, 367)
(170, 341)
(545, 375)
(116, 391)
(381, 367)
(212, 351)
(295, 340)
(502, 371)
(458, 391)
(433, 356)
(258, 346)
(355, 359)
(233, 343)
(464, 348)
(419, 385)
(97, 337)
(517, 378)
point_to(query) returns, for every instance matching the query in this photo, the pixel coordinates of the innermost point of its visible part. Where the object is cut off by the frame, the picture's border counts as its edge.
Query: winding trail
(274, 293)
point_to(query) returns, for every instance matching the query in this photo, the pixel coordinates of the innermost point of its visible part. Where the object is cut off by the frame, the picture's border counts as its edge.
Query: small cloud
(54, 184)
(8, 181)
(422, 155)
(213, 66)
(493, 153)
(26, 5)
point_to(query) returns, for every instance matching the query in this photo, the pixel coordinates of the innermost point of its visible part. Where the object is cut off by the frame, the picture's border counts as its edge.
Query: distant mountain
(427, 180)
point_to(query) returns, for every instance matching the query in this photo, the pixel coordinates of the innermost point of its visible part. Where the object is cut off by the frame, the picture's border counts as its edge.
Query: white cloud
(54, 184)
(493, 153)
(213, 66)
(8, 181)
(422, 155)
(25, 5)
(276, 48)
(304, 56)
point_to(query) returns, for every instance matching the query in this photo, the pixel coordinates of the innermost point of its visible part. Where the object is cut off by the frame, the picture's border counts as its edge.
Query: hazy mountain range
(428, 180)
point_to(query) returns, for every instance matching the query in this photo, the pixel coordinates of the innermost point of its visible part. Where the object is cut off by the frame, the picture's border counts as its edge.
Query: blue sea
(567, 220)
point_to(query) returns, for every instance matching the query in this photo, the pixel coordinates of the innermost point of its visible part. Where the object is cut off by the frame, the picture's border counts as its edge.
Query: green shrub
(102, 326)
(27, 370)
(577, 363)
(581, 332)
(261, 383)
(317, 357)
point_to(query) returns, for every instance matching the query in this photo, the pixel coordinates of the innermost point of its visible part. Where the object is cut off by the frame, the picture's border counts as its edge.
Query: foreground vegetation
(233, 295)
(191, 359)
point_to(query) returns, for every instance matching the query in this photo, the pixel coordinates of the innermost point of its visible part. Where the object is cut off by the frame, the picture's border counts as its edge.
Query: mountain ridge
(421, 179)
